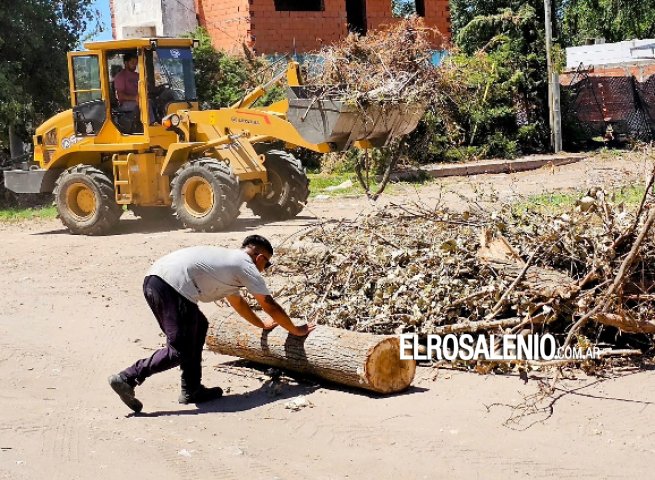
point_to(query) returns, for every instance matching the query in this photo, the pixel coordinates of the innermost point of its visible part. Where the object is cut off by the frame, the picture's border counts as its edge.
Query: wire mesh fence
(613, 107)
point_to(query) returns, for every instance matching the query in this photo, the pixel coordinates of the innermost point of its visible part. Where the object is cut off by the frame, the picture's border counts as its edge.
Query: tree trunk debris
(360, 360)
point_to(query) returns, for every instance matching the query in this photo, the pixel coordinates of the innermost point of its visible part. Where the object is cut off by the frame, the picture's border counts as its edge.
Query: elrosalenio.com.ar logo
(466, 347)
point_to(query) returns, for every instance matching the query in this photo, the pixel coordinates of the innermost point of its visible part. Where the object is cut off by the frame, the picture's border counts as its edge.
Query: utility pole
(553, 85)
(15, 143)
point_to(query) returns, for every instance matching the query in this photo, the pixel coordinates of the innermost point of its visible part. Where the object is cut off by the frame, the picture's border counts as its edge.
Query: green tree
(464, 11)
(500, 62)
(34, 38)
(223, 79)
(614, 20)
(501, 111)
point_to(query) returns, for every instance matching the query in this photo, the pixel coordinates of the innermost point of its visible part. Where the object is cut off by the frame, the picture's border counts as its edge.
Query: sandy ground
(73, 313)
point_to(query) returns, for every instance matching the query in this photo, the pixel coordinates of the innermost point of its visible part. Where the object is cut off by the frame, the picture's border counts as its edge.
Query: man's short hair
(128, 56)
(258, 241)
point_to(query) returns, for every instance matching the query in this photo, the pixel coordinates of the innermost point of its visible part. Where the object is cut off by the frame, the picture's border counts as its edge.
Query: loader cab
(170, 80)
(128, 86)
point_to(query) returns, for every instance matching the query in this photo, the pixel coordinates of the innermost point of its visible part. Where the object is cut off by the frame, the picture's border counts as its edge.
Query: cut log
(361, 360)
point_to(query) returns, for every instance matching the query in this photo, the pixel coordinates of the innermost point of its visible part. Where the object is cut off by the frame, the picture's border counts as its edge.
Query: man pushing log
(173, 287)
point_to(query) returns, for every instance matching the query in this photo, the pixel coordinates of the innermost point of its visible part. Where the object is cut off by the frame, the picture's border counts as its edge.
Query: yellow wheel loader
(156, 151)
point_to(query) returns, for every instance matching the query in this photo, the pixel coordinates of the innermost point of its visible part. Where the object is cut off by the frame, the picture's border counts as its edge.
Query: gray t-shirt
(207, 274)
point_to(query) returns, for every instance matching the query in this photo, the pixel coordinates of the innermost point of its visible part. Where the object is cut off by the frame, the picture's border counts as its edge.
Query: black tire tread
(289, 168)
(228, 195)
(110, 211)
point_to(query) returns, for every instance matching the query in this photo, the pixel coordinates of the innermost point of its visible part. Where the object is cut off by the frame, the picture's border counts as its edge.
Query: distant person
(174, 285)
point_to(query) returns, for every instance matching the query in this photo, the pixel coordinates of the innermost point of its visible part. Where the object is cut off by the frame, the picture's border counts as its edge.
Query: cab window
(86, 74)
(173, 69)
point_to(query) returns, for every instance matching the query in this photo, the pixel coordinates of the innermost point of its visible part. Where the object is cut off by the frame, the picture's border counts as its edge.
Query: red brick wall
(267, 31)
(276, 32)
(378, 14)
(437, 15)
(227, 21)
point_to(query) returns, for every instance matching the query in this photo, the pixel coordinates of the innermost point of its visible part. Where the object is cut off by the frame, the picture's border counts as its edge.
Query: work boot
(200, 395)
(125, 391)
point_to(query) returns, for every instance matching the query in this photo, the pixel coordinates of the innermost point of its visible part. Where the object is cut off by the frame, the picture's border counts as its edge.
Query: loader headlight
(172, 120)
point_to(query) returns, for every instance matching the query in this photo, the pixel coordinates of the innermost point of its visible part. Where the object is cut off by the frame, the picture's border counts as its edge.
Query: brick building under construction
(268, 26)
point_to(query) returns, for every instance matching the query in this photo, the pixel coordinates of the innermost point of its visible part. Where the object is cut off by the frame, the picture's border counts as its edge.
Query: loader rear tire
(289, 189)
(205, 195)
(85, 201)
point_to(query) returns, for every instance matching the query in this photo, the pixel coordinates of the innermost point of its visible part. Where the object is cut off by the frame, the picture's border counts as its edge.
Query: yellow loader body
(154, 147)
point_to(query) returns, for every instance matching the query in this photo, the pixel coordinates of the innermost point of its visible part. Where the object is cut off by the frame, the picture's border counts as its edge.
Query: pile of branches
(386, 73)
(585, 275)
(386, 66)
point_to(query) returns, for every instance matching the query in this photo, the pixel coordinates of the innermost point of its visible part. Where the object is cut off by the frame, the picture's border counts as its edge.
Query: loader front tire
(84, 197)
(205, 195)
(289, 188)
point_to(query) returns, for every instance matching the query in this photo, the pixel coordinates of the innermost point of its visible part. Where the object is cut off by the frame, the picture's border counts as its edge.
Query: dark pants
(185, 328)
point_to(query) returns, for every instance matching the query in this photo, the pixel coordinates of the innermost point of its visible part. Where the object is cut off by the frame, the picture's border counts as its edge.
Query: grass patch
(319, 184)
(629, 195)
(16, 214)
(558, 202)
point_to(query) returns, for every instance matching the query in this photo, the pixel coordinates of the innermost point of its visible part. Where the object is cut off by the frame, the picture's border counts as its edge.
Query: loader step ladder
(122, 179)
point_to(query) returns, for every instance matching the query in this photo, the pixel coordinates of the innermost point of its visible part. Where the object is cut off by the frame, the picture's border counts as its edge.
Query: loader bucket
(321, 118)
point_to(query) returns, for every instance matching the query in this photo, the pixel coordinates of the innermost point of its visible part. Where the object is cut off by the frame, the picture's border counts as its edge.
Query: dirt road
(73, 313)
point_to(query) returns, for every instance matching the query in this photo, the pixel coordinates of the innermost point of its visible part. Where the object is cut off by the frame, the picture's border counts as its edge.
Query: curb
(502, 166)
(491, 166)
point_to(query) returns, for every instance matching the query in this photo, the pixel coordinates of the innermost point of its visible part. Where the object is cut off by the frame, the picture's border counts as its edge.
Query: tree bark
(361, 360)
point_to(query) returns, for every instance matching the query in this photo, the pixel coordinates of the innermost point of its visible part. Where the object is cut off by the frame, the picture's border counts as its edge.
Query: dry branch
(625, 323)
(409, 269)
(475, 327)
(386, 66)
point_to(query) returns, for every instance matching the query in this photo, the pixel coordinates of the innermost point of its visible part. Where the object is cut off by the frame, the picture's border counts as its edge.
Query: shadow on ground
(267, 393)
(135, 225)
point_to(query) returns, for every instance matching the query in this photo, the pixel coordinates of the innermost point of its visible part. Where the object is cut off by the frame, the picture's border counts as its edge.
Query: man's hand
(269, 325)
(303, 330)
(280, 317)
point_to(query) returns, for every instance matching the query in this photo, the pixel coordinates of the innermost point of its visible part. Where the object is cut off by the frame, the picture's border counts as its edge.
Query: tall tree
(576, 20)
(502, 62)
(34, 38)
(463, 11)
(614, 20)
